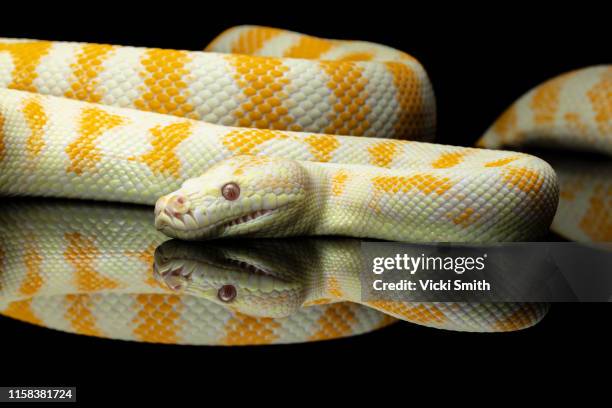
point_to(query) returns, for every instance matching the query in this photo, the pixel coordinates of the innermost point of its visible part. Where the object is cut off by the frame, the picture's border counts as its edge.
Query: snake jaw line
(248, 218)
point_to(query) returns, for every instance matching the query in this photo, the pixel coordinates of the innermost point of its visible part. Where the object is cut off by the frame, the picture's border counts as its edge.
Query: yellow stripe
(597, 221)
(465, 218)
(26, 56)
(545, 100)
(526, 180)
(383, 153)
(246, 141)
(348, 98)
(357, 56)
(501, 162)
(78, 313)
(338, 181)
(521, 318)
(410, 120)
(32, 259)
(22, 310)
(447, 160)
(93, 123)
(417, 314)
(309, 48)
(165, 90)
(247, 330)
(425, 183)
(157, 320)
(82, 254)
(36, 118)
(263, 82)
(601, 100)
(162, 158)
(322, 146)
(336, 321)
(252, 40)
(505, 126)
(86, 69)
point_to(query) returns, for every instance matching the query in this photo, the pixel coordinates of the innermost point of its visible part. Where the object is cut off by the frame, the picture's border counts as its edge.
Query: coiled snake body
(99, 148)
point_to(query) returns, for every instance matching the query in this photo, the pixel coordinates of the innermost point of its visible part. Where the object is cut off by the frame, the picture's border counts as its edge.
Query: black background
(480, 58)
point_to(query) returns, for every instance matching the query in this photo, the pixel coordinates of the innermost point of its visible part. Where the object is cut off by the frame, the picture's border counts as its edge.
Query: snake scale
(269, 107)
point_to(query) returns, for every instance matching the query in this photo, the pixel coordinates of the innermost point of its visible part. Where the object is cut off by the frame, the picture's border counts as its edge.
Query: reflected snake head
(232, 276)
(240, 196)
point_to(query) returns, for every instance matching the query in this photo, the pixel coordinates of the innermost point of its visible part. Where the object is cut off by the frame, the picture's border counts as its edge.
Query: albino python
(289, 87)
(572, 112)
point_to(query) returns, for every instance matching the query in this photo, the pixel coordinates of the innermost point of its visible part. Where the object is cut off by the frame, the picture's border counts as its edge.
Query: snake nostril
(178, 204)
(174, 206)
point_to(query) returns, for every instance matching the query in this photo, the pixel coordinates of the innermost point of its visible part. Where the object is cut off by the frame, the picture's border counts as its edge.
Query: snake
(268, 126)
(571, 113)
(86, 268)
(362, 186)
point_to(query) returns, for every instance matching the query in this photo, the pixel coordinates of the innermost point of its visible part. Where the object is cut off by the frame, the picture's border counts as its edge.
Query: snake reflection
(86, 268)
(275, 278)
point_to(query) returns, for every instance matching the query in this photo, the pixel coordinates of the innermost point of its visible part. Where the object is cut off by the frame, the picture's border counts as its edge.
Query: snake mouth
(182, 221)
(174, 275)
(245, 219)
(187, 225)
(186, 264)
(249, 268)
(184, 275)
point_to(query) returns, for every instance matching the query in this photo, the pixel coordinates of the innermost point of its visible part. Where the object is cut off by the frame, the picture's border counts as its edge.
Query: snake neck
(329, 270)
(338, 201)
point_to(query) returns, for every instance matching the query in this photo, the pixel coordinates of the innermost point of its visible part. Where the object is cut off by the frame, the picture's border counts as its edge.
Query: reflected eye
(227, 293)
(230, 191)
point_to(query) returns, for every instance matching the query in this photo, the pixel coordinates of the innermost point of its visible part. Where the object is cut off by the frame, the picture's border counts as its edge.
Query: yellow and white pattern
(457, 195)
(63, 148)
(131, 124)
(572, 112)
(87, 269)
(289, 82)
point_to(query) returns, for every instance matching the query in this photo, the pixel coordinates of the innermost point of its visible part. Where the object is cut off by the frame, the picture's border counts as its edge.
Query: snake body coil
(571, 113)
(405, 190)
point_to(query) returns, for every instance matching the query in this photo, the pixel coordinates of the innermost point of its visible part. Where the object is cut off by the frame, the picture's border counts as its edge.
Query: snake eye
(230, 191)
(227, 293)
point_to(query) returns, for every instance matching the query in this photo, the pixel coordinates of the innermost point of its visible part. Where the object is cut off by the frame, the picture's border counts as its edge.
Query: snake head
(240, 196)
(237, 277)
